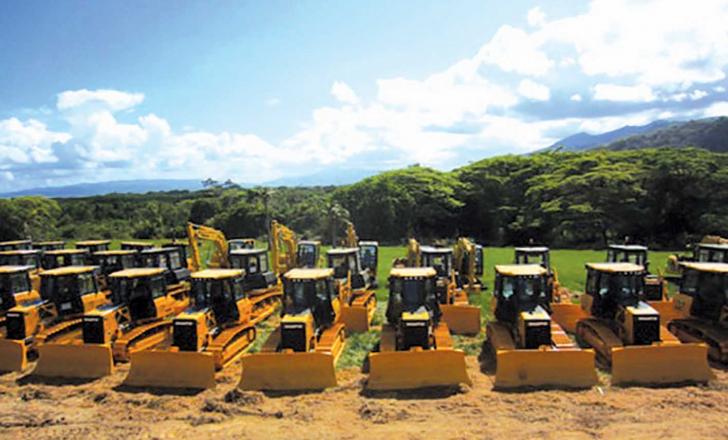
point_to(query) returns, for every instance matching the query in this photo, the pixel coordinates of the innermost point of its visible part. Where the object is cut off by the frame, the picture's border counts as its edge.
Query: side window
(507, 287)
(158, 287)
(238, 289)
(690, 281)
(322, 291)
(603, 284)
(174, 260)
(591, 282)
(86, 284)
(253, 265)
(20, 282)
(498, 284)
(263, 258)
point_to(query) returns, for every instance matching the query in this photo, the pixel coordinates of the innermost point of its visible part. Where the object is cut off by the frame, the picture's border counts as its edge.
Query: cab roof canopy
(532, 249)
(714, 246)
(342, 251)
(309, 242)
(66, 252)
(217, 274)
(15, 269)
(435, 250)
(255, 251)
(368, 243)
(49, 243)
(309, 274)
(21, 252)
(114, 252)
(68, 270)
(92, 242)
(157, 250)
(138, 272)
(137, 243)
(521, 270)
(615, 267)
(628, 247)
(413, 272)
(706, 267)
(14, 242)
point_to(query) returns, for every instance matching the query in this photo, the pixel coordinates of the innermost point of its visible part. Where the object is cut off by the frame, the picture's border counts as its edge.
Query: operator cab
(21, 258)
(439, 259)
(66, 287)
(171, 259)
(49, 245)
(236, 244)
(220, 290)
(15, 285)
(309, 252)
(311, 291)
(632, 253)
(65, 257)
(94, 245)
(135, 246)
(711, 253)
(412, 306)
(523, 301)
(16, 245)
(112, 261)
(369, 257)
(540, 255)
(707, 285)
(258, 274)
(345, 261)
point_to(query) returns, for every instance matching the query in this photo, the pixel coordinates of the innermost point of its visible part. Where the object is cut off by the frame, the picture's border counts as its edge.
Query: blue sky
(258, 90)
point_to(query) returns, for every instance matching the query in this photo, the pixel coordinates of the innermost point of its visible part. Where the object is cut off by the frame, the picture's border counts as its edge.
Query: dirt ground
(31, 408)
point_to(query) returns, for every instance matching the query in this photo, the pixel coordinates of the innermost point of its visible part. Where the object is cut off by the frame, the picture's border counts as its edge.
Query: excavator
(655, 287)
(94, 245)
(214, 332)
(287, 252)
(541, 255)
(628, 334)
(66, 294)
(528, 347)
(302, 353)
(138, 318)
(469, 265)
(16, 245)
(49, 245)
(416, 349)
(460, 316)
(699, 311)
(64, 257)
(17, 286)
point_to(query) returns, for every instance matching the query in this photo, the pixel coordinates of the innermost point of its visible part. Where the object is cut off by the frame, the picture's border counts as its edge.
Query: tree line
(665, 197)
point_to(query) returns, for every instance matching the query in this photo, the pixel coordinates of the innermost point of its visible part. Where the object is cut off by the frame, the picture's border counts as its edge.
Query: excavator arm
(414, 256)
(284, 250)
(196, 233)
(464, 254)
(352, 240)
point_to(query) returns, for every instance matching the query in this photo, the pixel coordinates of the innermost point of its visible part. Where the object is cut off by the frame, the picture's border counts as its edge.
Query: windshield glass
(413, 292)
(626, 288)
(154, 260)
(299, 295)
(307, 255)
(205, 292)
(368, 256)
(125, 289)
(441, 263)
(342, 264)
(67, 287)
(12, 283)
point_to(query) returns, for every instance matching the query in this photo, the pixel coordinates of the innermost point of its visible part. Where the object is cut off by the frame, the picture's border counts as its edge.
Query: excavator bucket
(461, 319)
(661, 364)
(13, 355)
(356, 319)
(171, 369)
(403, 370)
(288, 371)
(559, 368)
(85, 361)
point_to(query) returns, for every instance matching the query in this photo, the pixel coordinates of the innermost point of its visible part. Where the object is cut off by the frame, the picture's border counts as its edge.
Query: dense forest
(665, 197)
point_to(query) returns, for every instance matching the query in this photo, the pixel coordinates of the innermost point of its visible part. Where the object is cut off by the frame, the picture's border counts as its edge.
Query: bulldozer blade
(461, 319)
(558, 368)
(356, 319)
(405, 370)
(84, 361)
(661, 364)
(13, 355)
(171, 369)
(288, 371)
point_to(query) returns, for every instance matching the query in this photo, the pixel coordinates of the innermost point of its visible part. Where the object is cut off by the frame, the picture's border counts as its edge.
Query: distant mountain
(116, 186)
(585, 141)
(710, 134)
(334, 177)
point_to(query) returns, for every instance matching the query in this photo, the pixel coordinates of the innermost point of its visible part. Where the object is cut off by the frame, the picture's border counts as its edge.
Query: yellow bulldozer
(67, 293)
(699, 311)
(94, 245)
(215, 331)
(135, 246)
(628, 334)
(137, 319)
(17, 286)
(49, 245)
(655, 287)
(358, 307)
(302, 353)
(16, 245)
(528, 347)
(460, 316)
(416, 349)
(112, 261)
(65, 257)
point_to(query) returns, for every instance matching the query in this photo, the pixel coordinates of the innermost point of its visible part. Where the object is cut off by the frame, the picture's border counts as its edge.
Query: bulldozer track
(140, 338)
(231, 343)
(597, 334)
(693, 330)
(58, 330)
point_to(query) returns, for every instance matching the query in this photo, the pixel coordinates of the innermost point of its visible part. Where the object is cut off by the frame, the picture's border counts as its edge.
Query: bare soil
(35, 408)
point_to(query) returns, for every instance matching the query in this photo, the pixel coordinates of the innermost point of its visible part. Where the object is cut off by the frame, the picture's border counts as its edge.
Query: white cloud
(514, 50)
(7, 176)
(113, 100)
(575, 97)
(719, 89)
(343, 93)
(533, 90)
(618, 93)
(698, 94)
(716, 109)
(536, 17)
(28, 142)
